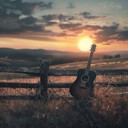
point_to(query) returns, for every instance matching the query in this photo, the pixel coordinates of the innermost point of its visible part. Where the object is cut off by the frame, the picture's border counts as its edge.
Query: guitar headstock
(93, 47)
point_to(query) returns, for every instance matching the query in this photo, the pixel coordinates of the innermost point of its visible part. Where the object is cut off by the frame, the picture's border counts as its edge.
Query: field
(108, 107)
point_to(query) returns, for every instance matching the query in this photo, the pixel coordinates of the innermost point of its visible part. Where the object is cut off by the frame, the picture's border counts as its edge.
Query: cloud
(17, 7)
(28, 8)
(32, 28)
(122, 35)
(57, 17)
(14, 25)
(63, 17)
(51, 23)
(19, 28)
(70, 26)
(8, 6)
(50, 17)
(88, 15)
(108, 33)
(28, 20)
(93, 27)
(9, 30)
(11, 12)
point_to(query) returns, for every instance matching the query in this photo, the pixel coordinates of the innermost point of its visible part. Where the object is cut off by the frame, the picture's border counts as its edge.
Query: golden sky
(60, 25)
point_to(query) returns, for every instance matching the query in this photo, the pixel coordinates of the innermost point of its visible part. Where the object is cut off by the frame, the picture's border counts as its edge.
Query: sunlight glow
(85, 44)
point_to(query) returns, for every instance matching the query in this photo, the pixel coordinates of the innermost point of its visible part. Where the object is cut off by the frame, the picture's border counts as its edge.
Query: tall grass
(106, 106)
(112, 110)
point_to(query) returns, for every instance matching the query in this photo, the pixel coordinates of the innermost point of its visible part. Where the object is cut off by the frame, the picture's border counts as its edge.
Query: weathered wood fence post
(44, 68)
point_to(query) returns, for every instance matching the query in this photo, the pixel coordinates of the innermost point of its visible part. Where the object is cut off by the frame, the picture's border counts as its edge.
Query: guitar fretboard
(89, 64)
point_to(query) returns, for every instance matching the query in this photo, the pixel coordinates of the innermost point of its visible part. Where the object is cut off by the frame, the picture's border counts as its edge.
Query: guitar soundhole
(85, 78)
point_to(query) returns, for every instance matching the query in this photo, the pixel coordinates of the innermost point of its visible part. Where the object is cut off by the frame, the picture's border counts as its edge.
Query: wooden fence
(43, 86)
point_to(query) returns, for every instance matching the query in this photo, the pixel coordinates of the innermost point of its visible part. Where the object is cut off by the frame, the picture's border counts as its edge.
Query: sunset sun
(85, 44)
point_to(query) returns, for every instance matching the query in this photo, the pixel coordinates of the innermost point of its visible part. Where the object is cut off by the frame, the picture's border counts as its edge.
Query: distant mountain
(32, 57)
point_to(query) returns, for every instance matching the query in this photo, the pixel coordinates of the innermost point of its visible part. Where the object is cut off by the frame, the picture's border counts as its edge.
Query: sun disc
(85, 44)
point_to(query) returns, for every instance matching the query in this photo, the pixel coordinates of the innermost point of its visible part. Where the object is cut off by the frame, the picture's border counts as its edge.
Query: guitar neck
(89, 63)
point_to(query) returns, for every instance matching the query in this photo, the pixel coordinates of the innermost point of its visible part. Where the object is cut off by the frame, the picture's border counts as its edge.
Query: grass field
(110, 110)
(115, 63)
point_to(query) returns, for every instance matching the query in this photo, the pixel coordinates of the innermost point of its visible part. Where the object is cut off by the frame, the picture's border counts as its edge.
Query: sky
(61, 24)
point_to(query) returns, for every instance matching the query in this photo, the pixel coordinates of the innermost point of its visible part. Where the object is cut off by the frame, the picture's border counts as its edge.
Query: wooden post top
(44, 67)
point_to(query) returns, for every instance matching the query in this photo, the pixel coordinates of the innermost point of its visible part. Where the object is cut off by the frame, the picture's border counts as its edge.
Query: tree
(117, 56)
(107, 57)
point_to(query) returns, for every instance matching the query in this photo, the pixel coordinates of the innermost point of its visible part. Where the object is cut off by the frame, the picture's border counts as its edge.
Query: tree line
(111, 57)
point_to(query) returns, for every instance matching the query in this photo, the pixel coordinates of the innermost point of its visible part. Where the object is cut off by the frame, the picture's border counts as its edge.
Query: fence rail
(43, 72)
(53, 72)
(56, 85)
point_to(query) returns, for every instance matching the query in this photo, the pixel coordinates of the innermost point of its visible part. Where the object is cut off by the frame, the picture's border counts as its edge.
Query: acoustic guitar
(83, 85)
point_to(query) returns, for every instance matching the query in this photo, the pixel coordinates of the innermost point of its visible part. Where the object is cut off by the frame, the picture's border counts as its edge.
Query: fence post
(44, 67)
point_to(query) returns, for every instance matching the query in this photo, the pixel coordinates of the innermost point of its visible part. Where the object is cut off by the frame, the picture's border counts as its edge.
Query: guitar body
(82, 88)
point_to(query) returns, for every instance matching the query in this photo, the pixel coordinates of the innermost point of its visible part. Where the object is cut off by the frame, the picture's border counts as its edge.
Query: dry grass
(110, 109)
(107, 107)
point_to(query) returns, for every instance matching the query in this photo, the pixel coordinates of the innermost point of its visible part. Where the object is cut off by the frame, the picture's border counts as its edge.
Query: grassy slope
(32, 57)
(111, 109)
(96, 64)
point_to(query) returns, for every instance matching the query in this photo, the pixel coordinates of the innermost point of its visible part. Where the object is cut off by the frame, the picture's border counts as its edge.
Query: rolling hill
(32, 57)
